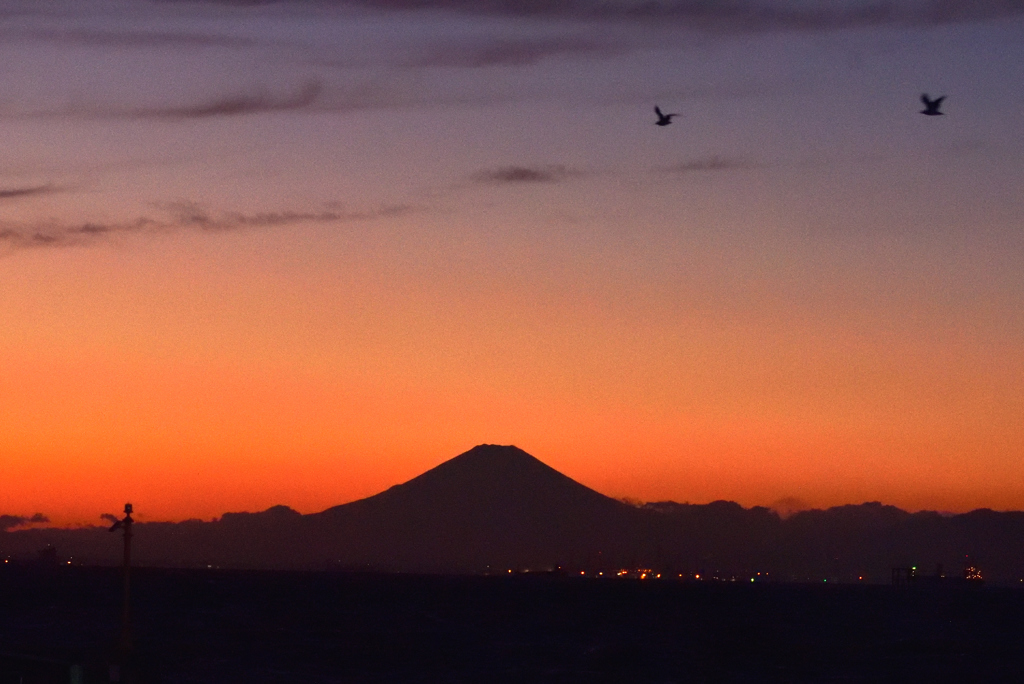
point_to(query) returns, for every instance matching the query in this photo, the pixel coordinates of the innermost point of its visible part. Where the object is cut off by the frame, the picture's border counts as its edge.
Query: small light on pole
(126, 525)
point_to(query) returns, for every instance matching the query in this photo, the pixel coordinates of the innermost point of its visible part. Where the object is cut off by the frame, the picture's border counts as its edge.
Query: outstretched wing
(938, 101)
(925, 100)
(657, 110)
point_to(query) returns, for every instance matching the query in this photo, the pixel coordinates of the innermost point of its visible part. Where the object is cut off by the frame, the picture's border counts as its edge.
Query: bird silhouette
(663, 119)
(931, 107)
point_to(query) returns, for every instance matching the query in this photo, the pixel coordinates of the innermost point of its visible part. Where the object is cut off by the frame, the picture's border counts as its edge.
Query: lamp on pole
(126, 569)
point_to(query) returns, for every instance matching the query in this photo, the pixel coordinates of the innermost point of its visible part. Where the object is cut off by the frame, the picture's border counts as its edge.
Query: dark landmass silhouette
(216, 626)
(497, 508)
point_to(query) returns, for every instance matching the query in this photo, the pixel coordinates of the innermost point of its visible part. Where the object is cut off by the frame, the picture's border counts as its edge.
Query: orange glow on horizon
(192, 406)
(185, 441)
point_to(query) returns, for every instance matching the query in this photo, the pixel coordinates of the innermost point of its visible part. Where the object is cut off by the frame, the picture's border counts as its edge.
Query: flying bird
(663, 119)
(931, 107)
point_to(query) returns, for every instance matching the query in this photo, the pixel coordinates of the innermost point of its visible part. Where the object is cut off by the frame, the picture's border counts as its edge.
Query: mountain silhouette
(497, 508)
(494, 506)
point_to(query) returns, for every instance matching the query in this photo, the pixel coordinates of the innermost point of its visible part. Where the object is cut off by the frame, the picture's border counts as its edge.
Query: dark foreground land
(222, 626)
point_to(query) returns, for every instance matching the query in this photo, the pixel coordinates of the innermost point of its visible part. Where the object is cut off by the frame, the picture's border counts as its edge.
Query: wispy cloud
(9, 522)
(192, 215)
(128, 38)
(241, 104)
(14, 193)
(524, 174)
(256, 101)
(758, 15)
(705, 164)
(231, 105)
(337, 71)
(180, 216)
(728, 15)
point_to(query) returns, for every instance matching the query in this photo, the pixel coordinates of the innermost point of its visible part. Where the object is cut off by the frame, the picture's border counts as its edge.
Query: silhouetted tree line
(717, 539)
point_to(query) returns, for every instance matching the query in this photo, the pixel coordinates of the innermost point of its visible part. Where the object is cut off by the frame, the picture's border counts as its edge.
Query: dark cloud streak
(523, 174)
(258, 102)
(132, 39)
(181, 216)
(234, 106)
(191, 215)
(716, 15)
(709, 164)
(14, 193)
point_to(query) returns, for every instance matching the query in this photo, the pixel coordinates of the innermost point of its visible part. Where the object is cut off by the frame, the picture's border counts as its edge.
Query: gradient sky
(298, 252)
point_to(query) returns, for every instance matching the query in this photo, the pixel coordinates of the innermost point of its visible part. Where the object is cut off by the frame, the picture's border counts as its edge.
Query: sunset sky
(298, 252)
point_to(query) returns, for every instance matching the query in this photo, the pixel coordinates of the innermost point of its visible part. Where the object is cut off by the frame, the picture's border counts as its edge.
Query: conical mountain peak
(485, 507)
(491, 460)
(495, 456)
(496, 451)
(493, 471)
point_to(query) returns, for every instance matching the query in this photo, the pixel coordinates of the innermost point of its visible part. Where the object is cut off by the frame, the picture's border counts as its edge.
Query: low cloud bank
(9, 522)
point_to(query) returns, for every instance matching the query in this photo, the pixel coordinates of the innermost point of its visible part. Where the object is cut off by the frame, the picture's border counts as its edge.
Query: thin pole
(126, 625)
(118, 672)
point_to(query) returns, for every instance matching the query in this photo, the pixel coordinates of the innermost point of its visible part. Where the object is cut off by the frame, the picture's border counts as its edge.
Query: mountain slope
(492, 506)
